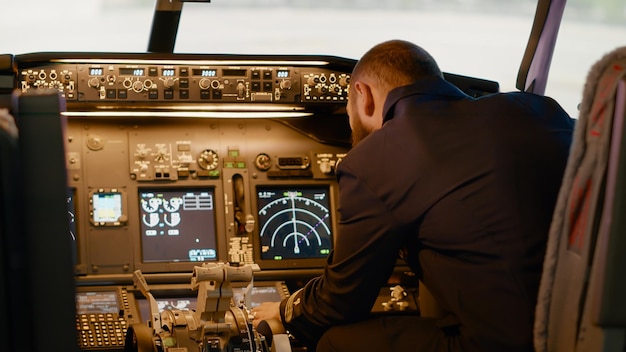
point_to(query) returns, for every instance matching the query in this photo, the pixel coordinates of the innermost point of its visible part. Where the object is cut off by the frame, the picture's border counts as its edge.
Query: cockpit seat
(582, 296)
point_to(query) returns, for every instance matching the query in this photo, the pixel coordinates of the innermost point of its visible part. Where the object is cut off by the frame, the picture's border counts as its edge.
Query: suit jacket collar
(429, 89)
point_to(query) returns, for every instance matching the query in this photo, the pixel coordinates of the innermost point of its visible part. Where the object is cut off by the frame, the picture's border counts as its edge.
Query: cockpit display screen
(177, 225)
(96, 302)
(294, 222)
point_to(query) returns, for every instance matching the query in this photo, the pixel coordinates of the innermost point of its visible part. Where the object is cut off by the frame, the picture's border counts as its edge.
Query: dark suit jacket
(467, 187)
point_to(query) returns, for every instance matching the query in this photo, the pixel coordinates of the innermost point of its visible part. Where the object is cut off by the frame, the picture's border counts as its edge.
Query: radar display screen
(177, 225)
(294, 222)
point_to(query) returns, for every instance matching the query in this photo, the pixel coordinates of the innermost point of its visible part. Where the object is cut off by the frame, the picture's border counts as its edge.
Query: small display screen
(282, 74)
(168, 72)
(106, 207)
(132, 71)
(205, 72)
(294, 222)
(258, 295)
(234, 72)
(96, 71)
(182, 303)
(177, 225)
(96, 302)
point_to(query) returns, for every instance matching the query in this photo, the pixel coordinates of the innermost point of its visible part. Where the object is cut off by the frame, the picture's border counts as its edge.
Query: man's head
(386, 66)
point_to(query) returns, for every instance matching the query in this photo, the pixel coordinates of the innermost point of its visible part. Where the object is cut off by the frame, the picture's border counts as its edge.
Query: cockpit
(199, 144)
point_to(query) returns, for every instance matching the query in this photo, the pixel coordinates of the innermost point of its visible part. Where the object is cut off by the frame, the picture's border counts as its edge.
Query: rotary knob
(94, 82)
(263, 162)
(326, 167)
(204, 83)
(208, 159)
(138, 86)
(285, 84)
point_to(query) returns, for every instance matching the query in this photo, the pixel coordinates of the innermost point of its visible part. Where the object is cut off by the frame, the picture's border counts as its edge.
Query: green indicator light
(292, 194)
(278, 257)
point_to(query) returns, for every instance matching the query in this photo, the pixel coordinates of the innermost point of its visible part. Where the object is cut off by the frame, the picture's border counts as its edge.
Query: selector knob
(138, 86)
(205, 83)
(142, 152)
(208, 159)
(94, 82)
(169, 82)
(326, 167)
(285, 84)
(344, 80)
(263, 162)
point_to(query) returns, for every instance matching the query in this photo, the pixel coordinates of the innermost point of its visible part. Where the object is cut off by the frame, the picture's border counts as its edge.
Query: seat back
(581, 304)
(37, 294)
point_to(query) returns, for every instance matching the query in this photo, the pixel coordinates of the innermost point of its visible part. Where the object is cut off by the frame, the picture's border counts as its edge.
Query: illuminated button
(183, 83)
(267, 74)
(168, 94)
(184, 94)
(153, 94)
(256, 75)
(122, 93)
(183, 71)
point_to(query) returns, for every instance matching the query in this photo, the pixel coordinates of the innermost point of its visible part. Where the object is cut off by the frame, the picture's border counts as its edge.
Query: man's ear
(366, 102)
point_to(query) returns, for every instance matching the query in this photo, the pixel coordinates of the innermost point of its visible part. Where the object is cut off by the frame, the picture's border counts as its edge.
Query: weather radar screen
(294, 222)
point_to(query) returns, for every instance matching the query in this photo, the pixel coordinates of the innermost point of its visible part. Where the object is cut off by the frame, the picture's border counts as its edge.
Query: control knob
(94, 82)
(285, 84)
(205, 83)
(169, 82)
(208, 159)
(344, 80)
(138, 86)
(326, 167)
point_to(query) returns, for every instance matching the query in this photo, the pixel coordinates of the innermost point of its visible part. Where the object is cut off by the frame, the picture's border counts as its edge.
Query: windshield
(478, 38)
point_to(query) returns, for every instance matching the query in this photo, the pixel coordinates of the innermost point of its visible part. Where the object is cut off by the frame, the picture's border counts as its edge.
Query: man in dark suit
(463, 187)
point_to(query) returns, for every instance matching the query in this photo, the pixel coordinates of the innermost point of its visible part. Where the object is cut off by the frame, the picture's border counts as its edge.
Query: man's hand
(265, 311)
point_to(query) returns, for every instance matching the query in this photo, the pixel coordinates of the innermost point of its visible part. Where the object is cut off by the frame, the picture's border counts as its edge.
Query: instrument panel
(178, 159)
(149, 78)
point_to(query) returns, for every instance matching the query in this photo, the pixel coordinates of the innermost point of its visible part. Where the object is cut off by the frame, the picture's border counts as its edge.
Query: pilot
(462, 188)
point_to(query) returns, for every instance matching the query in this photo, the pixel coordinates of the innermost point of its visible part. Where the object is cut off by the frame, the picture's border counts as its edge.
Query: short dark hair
(396, 63)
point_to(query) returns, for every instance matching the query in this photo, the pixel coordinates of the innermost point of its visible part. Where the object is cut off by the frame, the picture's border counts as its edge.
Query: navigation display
(294, 222)
(177, 225)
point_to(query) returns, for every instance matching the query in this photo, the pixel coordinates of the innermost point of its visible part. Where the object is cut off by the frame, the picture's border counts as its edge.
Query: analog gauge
(173, 204)
(208, 159)
(151, 205)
